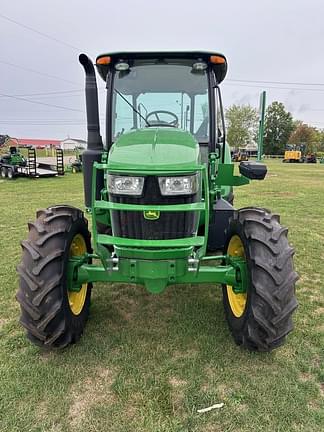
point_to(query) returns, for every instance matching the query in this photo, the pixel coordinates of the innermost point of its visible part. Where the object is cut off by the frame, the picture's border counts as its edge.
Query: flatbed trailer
(33, 168)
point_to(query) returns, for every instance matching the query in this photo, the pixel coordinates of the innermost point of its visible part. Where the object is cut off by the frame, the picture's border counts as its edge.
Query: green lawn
(147, 363)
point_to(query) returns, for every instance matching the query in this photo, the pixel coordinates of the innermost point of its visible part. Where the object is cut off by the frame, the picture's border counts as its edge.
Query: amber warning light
(215, 59)
(103, 60)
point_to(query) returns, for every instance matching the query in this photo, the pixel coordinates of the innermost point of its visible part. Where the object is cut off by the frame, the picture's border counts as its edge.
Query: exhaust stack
(95, 147)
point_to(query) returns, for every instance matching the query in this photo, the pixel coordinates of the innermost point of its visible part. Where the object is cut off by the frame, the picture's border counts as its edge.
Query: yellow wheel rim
(77, 298)
(237, 301)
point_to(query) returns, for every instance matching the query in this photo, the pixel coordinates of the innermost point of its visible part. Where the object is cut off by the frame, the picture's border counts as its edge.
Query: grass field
(147, 363)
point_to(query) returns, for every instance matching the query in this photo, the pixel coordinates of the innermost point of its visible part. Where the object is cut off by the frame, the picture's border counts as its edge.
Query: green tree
(321, 140)
(242, 124)
(306, 135)
(278, 127)
(5, 142)
(3, 139)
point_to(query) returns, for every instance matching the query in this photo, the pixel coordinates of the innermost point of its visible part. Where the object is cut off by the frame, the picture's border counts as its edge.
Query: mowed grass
(146, 362)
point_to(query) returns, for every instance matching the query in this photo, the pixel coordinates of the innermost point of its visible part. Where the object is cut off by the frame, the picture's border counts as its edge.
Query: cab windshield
(164, 93)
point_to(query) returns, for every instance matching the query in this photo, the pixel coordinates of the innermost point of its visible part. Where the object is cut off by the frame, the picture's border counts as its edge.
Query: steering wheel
(159, 122)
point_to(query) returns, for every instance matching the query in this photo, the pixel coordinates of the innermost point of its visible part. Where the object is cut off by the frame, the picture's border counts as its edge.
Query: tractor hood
(154, 149)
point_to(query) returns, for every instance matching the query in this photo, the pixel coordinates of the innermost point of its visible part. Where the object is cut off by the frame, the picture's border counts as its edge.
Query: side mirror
(253, 170)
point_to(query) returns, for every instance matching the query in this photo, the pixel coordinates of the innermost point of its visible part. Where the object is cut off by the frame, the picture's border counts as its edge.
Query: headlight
(125, 185)
(184, 185)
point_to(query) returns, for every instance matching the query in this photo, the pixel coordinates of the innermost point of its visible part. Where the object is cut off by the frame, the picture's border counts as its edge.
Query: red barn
(38, 143)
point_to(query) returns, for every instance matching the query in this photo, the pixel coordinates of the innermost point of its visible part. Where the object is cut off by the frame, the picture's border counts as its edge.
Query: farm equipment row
(240, 156)
(298, 154)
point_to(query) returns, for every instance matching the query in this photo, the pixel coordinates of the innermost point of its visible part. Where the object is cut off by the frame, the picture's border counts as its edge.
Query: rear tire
(10, 174)
(47, 311)
(261, 320)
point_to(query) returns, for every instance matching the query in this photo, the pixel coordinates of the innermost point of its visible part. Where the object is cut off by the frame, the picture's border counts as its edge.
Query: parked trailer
(9, 168)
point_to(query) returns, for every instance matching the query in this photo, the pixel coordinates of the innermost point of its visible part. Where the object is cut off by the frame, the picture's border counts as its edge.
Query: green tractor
(10, 161)
(75, 166)
(160, 195)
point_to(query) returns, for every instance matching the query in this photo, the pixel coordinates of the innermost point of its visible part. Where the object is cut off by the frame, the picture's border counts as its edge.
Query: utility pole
(261, 124)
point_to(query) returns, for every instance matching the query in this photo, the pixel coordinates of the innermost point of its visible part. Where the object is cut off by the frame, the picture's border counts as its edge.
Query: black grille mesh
(170, 225)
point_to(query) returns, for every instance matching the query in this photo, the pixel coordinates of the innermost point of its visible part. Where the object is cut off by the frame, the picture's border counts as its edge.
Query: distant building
(72, 144)
(252, 149)
(37, 143)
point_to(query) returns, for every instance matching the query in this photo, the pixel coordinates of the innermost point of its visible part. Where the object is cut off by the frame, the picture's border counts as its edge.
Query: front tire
(260, 319)
(53, 315)
(3, 172)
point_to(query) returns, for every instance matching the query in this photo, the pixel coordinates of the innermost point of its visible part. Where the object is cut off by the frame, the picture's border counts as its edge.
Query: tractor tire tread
(28, 246)
(48, 235)
(268, 318)
(56, 335)
(41, 278)
(50, 315)
(47, 260)
(29, 279)
(37, 300)
(39, 228)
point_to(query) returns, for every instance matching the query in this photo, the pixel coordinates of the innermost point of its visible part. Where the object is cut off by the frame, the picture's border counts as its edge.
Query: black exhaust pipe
(94, 142)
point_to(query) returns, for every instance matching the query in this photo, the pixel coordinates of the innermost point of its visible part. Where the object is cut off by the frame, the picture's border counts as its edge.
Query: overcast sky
(274, 41)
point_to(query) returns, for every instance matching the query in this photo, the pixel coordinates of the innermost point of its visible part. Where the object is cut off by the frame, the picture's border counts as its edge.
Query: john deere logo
(151, 214)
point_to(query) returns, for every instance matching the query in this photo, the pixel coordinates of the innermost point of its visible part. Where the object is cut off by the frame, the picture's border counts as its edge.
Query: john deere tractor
(10, 161)
(160, 195)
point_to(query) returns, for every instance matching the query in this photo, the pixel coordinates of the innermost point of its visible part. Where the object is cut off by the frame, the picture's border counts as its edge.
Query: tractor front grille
(169, 225)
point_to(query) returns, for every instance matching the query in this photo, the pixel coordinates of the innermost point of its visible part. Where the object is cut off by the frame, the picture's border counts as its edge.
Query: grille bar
(169, 225)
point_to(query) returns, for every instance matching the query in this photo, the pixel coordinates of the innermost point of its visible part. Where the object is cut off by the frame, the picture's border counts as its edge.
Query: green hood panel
(154, 149)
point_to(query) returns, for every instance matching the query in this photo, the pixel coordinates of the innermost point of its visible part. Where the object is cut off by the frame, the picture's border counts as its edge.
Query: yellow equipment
(240, 156)
(293, 156)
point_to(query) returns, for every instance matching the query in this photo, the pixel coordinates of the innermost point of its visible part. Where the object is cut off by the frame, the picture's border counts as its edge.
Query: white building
(252, 148)
(72, 144)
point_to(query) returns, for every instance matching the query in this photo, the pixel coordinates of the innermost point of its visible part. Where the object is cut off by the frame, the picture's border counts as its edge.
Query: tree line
(280, 129)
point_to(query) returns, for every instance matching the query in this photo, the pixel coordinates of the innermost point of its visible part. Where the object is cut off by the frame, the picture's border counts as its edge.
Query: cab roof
(220, 67)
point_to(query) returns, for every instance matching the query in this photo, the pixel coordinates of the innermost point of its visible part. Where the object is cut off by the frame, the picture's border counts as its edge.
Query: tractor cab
(164, 114)
(170, 90)
(163, 90)
(170, 101)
